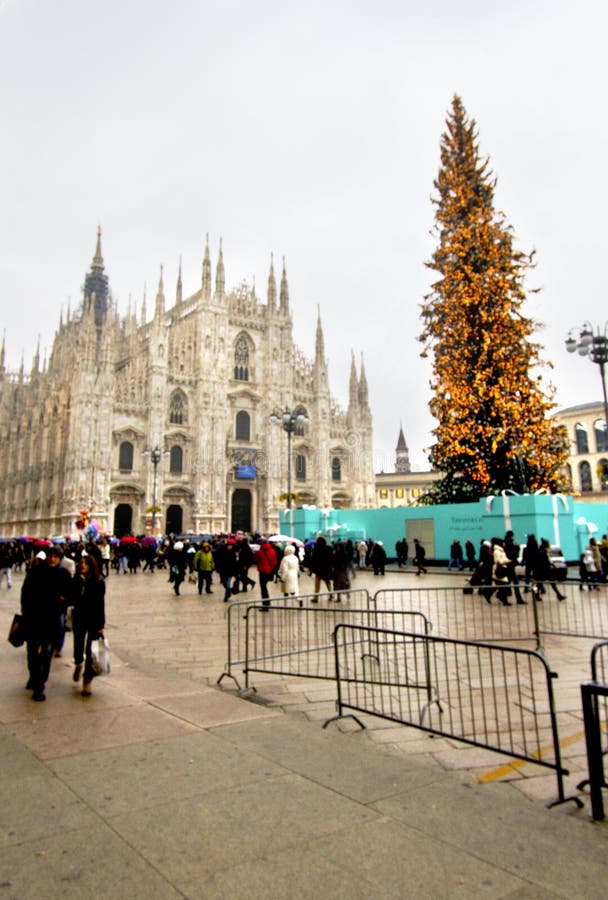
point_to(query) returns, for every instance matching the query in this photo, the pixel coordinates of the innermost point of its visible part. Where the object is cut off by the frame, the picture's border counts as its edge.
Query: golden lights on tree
(489, 397)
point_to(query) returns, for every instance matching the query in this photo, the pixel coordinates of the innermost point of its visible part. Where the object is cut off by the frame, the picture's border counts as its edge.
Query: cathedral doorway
(175, 519)
(123, 520)
(241, 510)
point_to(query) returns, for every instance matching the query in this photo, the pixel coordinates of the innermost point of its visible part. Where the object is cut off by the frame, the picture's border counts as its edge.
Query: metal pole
(289, 512)
(155, 464)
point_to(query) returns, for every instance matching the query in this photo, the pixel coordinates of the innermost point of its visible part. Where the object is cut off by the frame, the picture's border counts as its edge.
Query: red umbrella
(128, 539)
(42, 542)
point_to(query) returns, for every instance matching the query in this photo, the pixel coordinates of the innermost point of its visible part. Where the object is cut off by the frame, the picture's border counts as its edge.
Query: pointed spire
(160, 296)
(144, 307)
(319, 343)
(271, 295)
(178, 291)
(402, 455)
(363, 387)
(401, 445)
(3, 352)
(206, 279)
(98, 258)
(36, 361)
(21, 369)
(220, 278)
(68, 311)
(284, 299)
(353, 388)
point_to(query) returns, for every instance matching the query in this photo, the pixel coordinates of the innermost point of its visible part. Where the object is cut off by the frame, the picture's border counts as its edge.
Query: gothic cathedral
(164, 425)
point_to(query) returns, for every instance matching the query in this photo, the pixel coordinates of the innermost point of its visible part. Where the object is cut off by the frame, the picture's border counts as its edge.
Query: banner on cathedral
(246, 463)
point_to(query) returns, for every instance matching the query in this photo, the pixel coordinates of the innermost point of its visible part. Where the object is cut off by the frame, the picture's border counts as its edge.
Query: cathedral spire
(97, 265)
(96, 290)
(144, 307)
(3, 352)
(220, 278)
(319, 343)
(178, 290)
(363, 402)
(353, 387)
(36, 362)
(206, 279)
(272, 287)
(160, 296)
(284, 300)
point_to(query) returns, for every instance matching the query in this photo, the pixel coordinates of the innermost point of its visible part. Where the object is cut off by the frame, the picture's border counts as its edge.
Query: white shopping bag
(100, 653)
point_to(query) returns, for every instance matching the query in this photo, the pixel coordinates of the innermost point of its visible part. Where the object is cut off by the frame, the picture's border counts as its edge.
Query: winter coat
(89, 604)
(289, 571)
(266, 558)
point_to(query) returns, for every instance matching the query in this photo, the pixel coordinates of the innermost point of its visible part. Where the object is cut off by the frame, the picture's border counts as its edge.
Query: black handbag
(16, 634)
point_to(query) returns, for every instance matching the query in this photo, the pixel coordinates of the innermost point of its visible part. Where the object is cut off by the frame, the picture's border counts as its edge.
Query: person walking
(419, 557)
(88, 619)
(177, 565)
(542, 572)
(204, 566)
(500, 572)
(469, 550)
(321, 565)
(511, 549)
(378, 558)
(289, 571)
(246, 559)
(456, 556)
(44, 592)
(6, 564)
(266, 561)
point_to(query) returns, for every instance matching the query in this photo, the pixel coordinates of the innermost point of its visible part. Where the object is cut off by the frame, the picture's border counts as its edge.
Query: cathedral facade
(162, 423)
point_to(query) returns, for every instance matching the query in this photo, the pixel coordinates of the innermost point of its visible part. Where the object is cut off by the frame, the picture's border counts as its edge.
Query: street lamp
(155, 455)
(289, 422)
(594, 346)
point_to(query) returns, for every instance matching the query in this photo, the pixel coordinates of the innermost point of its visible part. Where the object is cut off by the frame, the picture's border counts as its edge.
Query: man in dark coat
(45, 593)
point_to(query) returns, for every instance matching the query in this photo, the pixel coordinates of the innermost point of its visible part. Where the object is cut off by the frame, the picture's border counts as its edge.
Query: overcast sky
(310, 130)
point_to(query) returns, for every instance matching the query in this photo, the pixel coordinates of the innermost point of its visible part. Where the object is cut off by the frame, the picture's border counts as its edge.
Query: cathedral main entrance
(175, 519)
(123, 520)
(241, 510)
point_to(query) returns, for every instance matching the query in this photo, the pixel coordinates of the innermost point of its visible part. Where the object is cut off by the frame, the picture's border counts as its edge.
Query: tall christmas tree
(489, 397)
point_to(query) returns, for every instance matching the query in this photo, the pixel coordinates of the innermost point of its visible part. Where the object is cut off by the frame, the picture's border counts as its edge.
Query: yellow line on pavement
(515, 764)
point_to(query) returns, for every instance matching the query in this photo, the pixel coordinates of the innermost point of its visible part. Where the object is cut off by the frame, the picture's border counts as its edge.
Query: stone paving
(187, 635)
(163, 785)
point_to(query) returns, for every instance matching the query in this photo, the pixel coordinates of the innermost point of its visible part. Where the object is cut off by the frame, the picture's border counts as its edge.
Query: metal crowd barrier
(583, 614)
(594, 697)
(467, 616)
(462, 615)
(298, 641)
(490, 696)
(236, 618)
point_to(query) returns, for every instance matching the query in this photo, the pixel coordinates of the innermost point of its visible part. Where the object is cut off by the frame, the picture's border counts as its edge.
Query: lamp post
(595, 347)
(155, 455)
(289, 421)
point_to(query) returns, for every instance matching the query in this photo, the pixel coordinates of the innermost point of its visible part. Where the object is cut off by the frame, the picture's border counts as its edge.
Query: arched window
(602, 473)
(585, 473)
(582, 438)
(301, 467)
(601, 436)
(336, 469)
(241, 359)
(125, 457)
(300, 429)
(176, 460)
(178, 408)
(243, 426)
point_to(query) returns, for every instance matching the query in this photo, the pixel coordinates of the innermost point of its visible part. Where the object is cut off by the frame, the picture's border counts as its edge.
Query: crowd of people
(72, 577)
